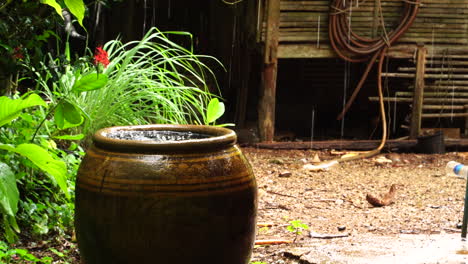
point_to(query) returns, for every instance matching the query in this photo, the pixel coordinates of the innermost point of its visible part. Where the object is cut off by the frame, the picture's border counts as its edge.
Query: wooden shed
(425, 73)
(283, 75)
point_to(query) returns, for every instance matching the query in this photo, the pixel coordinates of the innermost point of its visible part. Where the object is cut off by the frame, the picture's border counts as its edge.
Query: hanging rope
(354, 48)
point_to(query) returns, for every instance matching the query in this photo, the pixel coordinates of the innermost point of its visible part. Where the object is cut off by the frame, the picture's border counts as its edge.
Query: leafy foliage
(76, 7)
(296, 227)
(24, 165)
(153, 80)
(17, 255)
(9, 195)
(11, 109)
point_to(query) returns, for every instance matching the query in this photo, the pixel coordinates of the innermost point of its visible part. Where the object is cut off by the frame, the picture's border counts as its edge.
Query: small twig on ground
(272, 241)
(265, 224)
(327, 236)
(280, 194)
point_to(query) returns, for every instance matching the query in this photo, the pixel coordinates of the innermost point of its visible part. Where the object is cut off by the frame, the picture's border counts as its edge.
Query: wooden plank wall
(304, 25)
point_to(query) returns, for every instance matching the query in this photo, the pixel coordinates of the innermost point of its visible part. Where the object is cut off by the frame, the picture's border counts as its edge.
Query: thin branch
(5, 4)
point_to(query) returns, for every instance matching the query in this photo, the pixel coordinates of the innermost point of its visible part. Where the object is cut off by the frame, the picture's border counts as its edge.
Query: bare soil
(344, 227)
(424, 218)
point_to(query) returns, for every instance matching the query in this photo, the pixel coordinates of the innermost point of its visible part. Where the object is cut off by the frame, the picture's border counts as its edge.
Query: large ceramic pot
(170, 201)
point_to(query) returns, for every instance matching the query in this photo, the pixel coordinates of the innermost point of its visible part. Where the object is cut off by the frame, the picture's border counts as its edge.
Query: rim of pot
(219, 138)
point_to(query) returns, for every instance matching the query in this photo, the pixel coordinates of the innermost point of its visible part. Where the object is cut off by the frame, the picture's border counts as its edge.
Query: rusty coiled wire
(354, 48)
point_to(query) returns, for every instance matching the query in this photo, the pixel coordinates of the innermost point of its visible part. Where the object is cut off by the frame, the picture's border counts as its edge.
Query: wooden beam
(356, 144)
(267, 102)
(305, 50)
(338, 144)
(415, 126)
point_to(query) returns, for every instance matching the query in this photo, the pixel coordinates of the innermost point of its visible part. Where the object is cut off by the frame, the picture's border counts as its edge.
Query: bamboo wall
(304, 25)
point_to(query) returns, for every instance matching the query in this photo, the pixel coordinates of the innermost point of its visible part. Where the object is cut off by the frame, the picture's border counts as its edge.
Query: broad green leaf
(215, 110)
(89, 82)
(77, 8)
(9, 234)
(10, 109)
(71, 137)
(71, 113)
(13, 223)
(56, 169)
(8, 48)
(67, 115)
(53, 4)
(9, 195)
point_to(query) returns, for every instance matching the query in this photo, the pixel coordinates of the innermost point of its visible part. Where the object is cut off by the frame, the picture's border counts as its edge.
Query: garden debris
(328, 236)
(280, 194)
(316, 159)
(269, 224)
(276, 161)
(341, 228)
(394, 157)
(285, 174)
(387, 198)
(272, 241)
(320, 167)
(382, 160)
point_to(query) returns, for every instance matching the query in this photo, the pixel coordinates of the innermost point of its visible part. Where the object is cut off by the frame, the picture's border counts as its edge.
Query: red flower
(101, 57)
(18, 53)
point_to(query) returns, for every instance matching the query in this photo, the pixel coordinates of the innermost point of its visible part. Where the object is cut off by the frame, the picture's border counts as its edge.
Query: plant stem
(5, 4)
(45, 118)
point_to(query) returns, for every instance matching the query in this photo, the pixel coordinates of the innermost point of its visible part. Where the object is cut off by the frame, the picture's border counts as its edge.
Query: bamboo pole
(442, 88)
(425, 100)
(415, 125)
(267, 102)
(444, 115)
(444, 107)
(427, 75)
(450, 69)
(451, 82)
(447, 62)
(434, 94)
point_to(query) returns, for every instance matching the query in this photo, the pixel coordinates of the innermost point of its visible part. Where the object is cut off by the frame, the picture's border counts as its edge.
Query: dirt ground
(422, 225)
(344, 227)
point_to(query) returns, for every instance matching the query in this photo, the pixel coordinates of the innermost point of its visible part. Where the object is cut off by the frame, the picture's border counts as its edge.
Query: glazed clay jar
(188, 196)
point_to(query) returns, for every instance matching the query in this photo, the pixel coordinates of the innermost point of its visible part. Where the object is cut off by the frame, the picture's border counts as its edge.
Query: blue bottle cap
(457, 168)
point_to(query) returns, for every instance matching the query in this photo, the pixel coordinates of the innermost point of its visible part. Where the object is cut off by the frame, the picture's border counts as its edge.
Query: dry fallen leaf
(382, 160)
(320, 167)
(316, 159)
(387, 198)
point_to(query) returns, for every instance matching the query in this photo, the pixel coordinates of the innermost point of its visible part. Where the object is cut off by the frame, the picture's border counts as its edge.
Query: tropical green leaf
(215, 110)
(9, 194)
(89, 82)
(67, 115)
(77, 8)
(71, 137)
(56, 169)
(53, 4)
(8, 48)
(10, 109)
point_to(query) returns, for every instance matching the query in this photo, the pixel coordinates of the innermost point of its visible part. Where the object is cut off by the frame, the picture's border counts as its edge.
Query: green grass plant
(152, 80)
